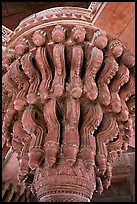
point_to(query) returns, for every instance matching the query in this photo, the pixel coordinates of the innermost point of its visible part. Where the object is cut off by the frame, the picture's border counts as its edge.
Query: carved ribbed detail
(100, 39)
(115, 48)
(117, 145)
(18, 73)
(94, 64)
(123, 115)
(107, 132)
(9, 85)
(131, 104)
(60, 72)
(37, 133)
(45, 69)
(68, 103)
(76, 65)
(122, 77)
(128, 58)
(8, 120)
(71, 134)
(34, 76)
(19, 134)
(21, 47)
(53, 136)
(128, 90)
(92, 120)
(15, 192)
(108, 72)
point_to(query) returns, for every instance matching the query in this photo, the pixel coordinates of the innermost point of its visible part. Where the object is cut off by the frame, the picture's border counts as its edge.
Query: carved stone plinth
(68, 103)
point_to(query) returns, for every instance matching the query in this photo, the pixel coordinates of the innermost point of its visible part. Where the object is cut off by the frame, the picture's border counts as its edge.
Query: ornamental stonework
(68, 103)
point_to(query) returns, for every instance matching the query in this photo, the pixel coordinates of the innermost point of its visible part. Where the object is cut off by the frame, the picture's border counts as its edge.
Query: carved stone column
(68, 103)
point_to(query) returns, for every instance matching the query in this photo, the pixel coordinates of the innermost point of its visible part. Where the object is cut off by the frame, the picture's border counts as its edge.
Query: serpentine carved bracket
(68, 103)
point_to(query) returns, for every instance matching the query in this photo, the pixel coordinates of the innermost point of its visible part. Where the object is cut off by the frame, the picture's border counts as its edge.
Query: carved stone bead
(128, 59)
(36, 156)
(23, 166)
(19, 104)
(79, 33)
(58, 34)
(21, 46)
(8, 56)
(100, 39)
(101, 42)
(116, 48)
(39, 38)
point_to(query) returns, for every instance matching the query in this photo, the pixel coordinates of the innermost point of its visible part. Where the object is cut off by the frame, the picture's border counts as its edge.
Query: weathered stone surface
(68, 103)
